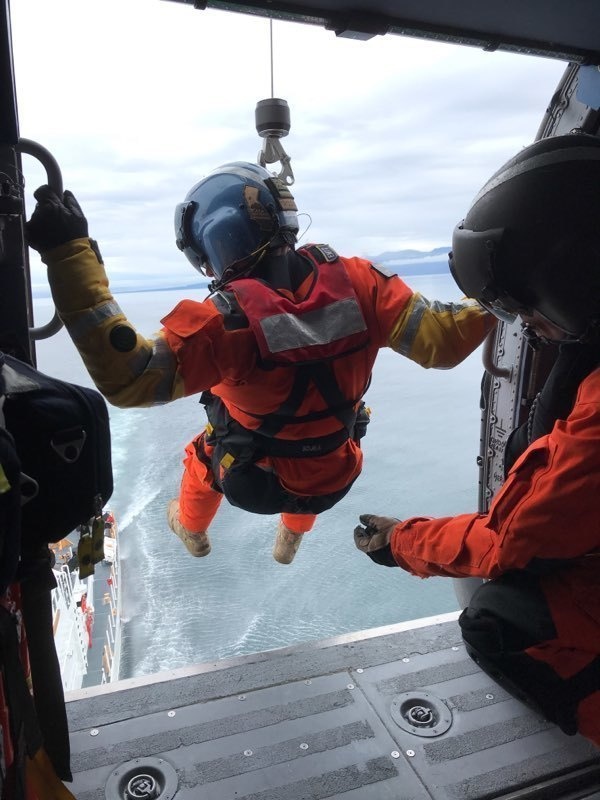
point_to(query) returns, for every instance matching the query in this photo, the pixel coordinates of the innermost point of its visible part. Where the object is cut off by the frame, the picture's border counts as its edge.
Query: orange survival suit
(211, 346)
(536, 626)
(283, 434)
(251, 437)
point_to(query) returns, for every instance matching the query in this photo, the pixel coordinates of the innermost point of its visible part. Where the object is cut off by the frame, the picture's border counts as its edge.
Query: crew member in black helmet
(529, 247)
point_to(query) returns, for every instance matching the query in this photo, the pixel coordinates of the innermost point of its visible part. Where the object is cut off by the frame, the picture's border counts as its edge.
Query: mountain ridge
(402, 262)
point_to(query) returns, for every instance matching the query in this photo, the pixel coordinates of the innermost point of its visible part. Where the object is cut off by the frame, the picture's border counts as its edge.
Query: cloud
(138, 99)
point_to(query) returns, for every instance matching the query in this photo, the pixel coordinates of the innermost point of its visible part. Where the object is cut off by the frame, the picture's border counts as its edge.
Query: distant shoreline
(402, 264)
(44, 293)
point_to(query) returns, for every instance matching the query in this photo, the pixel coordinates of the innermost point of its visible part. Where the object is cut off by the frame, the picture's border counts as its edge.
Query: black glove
(374, 539)
(54, 221)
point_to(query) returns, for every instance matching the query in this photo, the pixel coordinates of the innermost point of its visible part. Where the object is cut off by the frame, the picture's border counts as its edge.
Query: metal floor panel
(390, 714)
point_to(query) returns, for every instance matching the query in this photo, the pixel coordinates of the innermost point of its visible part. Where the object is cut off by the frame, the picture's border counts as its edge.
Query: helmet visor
(503, 308)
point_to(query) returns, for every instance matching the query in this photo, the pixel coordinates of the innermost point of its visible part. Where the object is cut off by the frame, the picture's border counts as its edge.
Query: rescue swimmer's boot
(286, 544)
(198, 543)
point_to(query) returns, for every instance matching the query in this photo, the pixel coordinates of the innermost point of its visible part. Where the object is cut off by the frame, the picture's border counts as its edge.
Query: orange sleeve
(433, 333)
(546, 510)
(206, 354)
(383, 297)
(190, 329)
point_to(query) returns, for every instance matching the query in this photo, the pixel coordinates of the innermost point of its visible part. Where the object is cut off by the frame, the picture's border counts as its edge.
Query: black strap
(24, 730)
(340, 406)
(301, 448)
(248, 446)
(322, 375)
(226, 303)
(285, 414)
(45, 669)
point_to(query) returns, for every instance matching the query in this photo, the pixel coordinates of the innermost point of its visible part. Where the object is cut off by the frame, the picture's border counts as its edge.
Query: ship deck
(102, 611)
(395, 713)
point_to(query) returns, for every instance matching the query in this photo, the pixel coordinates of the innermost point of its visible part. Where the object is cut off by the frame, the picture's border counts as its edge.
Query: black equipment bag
(62, 437)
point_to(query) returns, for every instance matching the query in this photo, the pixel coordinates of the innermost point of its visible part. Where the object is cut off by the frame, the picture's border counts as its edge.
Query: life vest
(327, 324)
(307, 336)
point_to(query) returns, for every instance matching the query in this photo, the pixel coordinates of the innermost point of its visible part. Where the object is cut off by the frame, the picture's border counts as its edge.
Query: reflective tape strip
(139, 360)
(162, 361)
(420, 306)
(86, 321)
(289, 332)
(404, 343)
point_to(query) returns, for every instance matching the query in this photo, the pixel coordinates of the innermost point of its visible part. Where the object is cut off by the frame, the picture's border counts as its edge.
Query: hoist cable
(271, 38)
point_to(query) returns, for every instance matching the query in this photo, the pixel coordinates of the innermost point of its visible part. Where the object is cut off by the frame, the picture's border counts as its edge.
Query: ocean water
(420, 459)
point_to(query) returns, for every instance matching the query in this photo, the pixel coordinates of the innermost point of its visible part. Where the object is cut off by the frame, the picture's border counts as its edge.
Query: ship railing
(113, 585)
(82, 639)
(108, 656)
(110, 628)
(108, 652)
(64, 583)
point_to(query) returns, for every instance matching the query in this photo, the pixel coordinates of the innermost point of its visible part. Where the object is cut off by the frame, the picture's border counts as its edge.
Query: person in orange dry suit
(530, 247)
(282, 349)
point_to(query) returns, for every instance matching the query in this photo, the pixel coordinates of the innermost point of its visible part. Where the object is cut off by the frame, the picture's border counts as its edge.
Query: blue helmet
(230, 218)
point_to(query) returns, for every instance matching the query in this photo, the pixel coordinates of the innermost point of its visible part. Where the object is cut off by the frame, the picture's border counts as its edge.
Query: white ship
(86, 613)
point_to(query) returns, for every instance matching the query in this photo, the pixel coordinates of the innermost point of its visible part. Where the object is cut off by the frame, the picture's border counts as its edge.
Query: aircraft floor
(343, 718)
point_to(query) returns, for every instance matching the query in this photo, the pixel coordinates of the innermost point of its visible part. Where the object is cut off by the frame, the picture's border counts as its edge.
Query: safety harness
(306, 336)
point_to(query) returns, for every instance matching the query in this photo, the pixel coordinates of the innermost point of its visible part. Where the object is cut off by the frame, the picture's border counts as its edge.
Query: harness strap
(324, 379)
(285, 414)
(24, 730)
(248, 446)
(303, 448)
(45, 669)
(340, 406)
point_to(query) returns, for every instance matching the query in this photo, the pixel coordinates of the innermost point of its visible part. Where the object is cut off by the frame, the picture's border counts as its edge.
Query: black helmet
(531, 239)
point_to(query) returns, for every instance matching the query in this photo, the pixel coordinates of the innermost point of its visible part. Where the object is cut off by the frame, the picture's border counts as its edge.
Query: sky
(137, 100)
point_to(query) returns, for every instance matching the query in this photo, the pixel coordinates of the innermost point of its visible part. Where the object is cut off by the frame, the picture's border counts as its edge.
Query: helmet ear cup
(184, 215)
